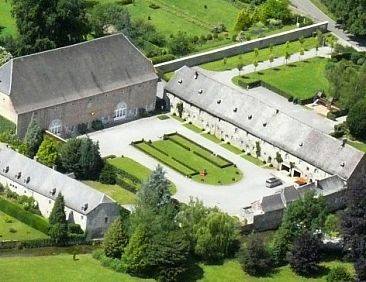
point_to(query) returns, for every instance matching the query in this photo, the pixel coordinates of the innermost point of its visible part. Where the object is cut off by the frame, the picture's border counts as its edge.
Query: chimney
(344, 142)
(35, 158)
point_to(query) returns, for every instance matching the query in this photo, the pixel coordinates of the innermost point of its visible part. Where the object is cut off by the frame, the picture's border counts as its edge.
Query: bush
(331, 116)
(126, 2)
(97, 124)
(209, 36)
(162, 58)
(356, 119)
(339, 274)
(75, 229)
(108, 174)
(12, 230)
(82, 128)
(154, 6)
(290, 99)
(255, 259)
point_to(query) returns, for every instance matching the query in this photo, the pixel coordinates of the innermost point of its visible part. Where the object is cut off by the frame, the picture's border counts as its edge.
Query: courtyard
(231, 198)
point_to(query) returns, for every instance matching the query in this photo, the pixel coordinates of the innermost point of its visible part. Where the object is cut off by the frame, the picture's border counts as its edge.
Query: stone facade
(135, 98)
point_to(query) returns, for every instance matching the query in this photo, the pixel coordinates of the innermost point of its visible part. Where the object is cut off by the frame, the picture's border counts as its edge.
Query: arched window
(120, 112)
(55, 126)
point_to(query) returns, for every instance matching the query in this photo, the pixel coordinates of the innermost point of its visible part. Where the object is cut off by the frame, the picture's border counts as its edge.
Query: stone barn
(106, 80)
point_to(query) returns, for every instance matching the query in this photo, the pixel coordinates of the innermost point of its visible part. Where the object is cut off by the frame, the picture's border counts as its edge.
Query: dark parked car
(273, 182)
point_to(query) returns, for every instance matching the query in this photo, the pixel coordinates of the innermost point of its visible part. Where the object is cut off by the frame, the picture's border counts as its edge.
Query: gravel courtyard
(231, 198)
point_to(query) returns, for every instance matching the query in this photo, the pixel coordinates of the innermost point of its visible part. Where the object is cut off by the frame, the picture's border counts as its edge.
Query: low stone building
(264, 132)
(106, 79)
(92, 210)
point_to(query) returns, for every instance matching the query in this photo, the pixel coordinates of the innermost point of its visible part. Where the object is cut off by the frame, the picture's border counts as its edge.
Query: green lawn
(117, 193)
(211, 137)
(252, 159)
(7, 23)
(248, 58)
(64, 268)
(6, 125)
(232, 148)
(231, 271)
(301, 80)
(136, 169)
(174, 153)
(193, 127)
(177, 118)
(60, 268)
(358, 145)
(23, 231)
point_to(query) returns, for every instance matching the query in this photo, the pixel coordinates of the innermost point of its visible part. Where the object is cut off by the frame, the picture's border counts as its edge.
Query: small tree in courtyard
(47, 153)
(33, 137)
(304, 257)
(58, 223)
(180, 109)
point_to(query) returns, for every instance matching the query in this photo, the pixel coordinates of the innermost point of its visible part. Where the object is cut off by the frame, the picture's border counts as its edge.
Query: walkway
(309, 9)
(271, 98)
(229, 198)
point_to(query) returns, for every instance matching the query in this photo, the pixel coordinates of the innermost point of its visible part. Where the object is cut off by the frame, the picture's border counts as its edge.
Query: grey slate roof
(276, 128)
(324, 186)
(73, 72)
(44, 179)
(290, 194)
(272, 203)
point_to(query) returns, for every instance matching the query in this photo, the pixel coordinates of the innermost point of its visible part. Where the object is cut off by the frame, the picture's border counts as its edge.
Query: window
(120, 112)
(55, 126)
(82, 217)
(105, 219)
(49, 201)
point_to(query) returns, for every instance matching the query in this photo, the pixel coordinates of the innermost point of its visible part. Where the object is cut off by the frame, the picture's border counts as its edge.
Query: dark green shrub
(126, 2)
(162, 58)
(75, 228)
(108, 174)
(82, 128)
(290, 99)
(209, 36)
(154, 6)
(97, 124)
(339, 274)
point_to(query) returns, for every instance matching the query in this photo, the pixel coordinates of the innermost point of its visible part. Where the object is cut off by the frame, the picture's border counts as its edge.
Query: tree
(301, 53)
(213, 234)
(287, 56)
(180, 109)
(255, 64)
(243, 21)
(306, 214)
(339, 274)
(108, 174)
(90, 162)
(256, 53)
(115, 239)
(110, 15)
(181, 44)
(70, 155)
(47, 153)
(45, 24)
(58, 223)
(239, 67)
(276, 9)
(33, 137)
(271, 59)
(356, 119)
(354, 227)
(304, 256)
(255, 258)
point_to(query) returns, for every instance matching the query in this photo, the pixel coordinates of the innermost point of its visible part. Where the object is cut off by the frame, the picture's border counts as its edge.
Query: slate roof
(73, 72)
(272, 203)
(290, 194)
(44, 179)
(324, 186)
(265, 122)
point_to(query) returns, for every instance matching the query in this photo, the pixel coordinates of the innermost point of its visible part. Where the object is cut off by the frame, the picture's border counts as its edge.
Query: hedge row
(163, 161)
(162, 58)
(75, 239)
(184, 164)
(125, 174)
(249, 85)
(126, 185)
(23, 216)
(179, 144)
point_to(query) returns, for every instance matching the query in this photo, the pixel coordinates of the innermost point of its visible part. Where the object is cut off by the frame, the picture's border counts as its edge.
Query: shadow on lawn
(194, 272)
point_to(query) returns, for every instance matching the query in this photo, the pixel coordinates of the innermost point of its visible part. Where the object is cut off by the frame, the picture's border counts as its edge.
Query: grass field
(136, 169)
(117, 193)
(189, 159)
(252, 159)
(232, 148)
(6, 125)
(193, 127)
(301, 80)
(23, 231)
(7, 23)
(264, 54)
(64, 268)
(211, 137)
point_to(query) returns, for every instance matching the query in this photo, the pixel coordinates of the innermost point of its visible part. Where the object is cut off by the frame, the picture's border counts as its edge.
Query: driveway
(230, 198)
(309, 9)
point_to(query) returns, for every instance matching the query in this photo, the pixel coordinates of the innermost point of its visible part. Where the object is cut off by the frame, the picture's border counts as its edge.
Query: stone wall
(241, 48)
(100, 107)
(267, 221)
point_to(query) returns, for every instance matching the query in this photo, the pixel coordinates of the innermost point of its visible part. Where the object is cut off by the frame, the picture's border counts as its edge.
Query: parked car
(273, 182)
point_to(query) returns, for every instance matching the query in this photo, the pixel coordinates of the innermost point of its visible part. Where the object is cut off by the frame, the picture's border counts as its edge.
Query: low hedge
(179, 144)
(126, 185)
(184, 164)
(162, 58)
(23, 216)
(125, 174)
(249, 85)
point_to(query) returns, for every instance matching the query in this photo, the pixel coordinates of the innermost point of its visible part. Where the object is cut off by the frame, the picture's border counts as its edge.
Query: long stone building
(106, 79)
(91, 209)
(263, 131)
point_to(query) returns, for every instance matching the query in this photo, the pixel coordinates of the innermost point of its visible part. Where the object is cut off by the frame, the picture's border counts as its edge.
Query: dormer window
(218, 101)
(343, 164)
(84, 207)
(250, 116)
(26, 180)
(6, 170)
(196, 75)
(53, 192)
(200, 91)
(301, 144)
(180, 81)
(18, 175)
(277, 111)
(235, 110)
(264, 124)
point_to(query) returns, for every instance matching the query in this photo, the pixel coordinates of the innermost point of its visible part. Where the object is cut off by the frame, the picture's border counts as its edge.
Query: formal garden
(191, 159)
(300, 81)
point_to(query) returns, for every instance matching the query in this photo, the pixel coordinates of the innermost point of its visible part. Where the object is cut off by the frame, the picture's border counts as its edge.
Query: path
(271, 98)
(311, 10)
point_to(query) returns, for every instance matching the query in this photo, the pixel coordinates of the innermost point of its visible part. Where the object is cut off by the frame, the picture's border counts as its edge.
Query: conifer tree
(33, 137)
(58, 223)
(115, 239)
